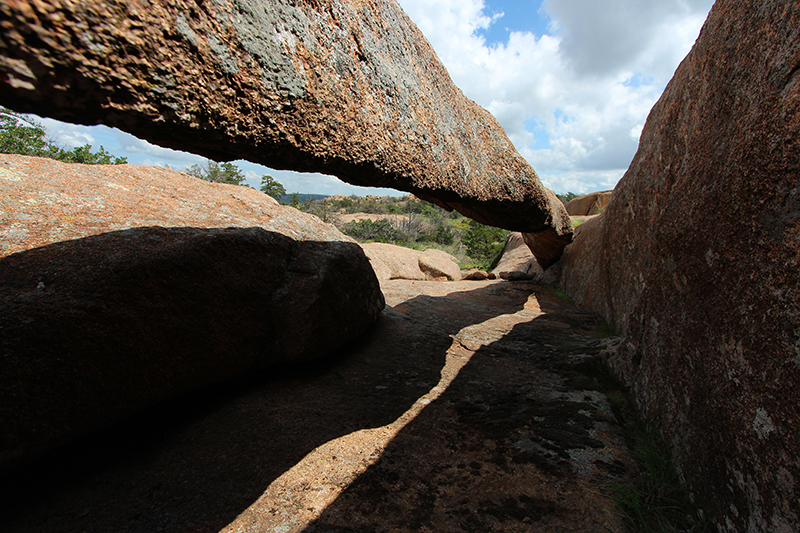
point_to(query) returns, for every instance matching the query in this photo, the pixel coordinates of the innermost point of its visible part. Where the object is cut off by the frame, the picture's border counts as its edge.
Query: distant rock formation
(517, 261)
(350, 88)
(125, 285)
(696, 261)
(476, 274)
(593, 203)
(397, 262)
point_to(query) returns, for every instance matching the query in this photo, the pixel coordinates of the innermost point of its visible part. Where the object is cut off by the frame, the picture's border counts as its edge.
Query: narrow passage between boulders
(471, 406)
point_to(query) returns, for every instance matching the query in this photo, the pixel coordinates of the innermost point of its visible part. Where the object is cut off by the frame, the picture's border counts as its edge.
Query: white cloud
(139, 151)
(587, 86)
(572, 101)
(67, 136)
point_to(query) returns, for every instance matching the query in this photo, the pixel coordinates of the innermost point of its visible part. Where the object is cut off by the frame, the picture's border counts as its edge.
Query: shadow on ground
(524, 439)
(195, 463)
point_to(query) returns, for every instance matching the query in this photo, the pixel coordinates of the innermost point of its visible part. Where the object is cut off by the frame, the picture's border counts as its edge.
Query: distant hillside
(301, 198)
(410, 222)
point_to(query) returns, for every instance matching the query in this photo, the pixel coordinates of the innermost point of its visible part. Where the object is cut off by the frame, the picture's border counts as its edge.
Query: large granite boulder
(350, 88)
(696, 260)
(517, 261)
(593, 203)
(398, 262)
(123, 286)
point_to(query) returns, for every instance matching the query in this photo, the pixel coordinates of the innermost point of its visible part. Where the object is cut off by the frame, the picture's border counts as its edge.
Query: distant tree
(320, 208)
(372, 204)
(566, 197)
(272, 187)
(83, 154)
(378, 231)
(217, 172)
(294, 200)
(25, 136)
(443, 234)
(484, 243)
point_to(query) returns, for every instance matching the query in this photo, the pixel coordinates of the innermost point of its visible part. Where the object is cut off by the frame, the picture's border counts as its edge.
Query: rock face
(397, 262)
(475, 396)
(517, 261)
(97, 321)
(349, 88)
(707, 297)
(589, 204)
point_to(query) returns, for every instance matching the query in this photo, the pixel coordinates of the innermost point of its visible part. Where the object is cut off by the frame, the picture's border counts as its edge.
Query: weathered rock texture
(696, 260)
(397, 262)
(107, 320)
(350, 88)
(517, 261)
(469, 407)
(593, 203)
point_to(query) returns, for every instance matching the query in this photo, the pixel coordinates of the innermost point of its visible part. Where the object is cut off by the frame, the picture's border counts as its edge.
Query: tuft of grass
(576, 222)
(561, 294)
(604, 330)
(656, 501)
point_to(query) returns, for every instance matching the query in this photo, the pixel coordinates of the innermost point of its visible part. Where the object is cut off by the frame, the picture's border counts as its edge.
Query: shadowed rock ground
(471, 406)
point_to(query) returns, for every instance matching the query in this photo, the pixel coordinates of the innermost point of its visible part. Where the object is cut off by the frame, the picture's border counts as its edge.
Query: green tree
(83, 154)
(294, 200)
(217, 172)
(484, 243)
(21, 136)
(566, 197)
(25, 136)
(378, 231)
(272, 187)
(441, 234)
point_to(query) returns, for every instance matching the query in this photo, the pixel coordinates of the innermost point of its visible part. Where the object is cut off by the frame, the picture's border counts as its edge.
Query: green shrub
(441, 234)
(378, 231)
(484, 243)
(20, 135)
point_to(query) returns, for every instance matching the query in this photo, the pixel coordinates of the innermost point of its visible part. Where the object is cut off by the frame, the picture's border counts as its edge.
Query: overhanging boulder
(350, 88)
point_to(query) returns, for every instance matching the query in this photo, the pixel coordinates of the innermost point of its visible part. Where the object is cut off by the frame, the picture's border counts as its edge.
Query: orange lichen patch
(45, 201)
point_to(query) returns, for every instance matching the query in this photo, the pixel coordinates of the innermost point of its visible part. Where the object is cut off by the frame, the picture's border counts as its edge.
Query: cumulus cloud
(67, 136)
(142, 151)
(572, 95)
(573, 99)
(600, 38)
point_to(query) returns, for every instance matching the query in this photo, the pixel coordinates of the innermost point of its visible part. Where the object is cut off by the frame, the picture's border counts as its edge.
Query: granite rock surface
(398, 262)
(517, 261)
(695, 261)
(124, 286)
(470, 406)
(349, 88)
(593, 203)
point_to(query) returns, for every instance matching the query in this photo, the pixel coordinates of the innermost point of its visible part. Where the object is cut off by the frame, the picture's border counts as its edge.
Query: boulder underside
(349, 88)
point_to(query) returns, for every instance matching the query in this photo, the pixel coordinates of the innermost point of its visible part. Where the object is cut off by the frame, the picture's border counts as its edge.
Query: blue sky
(513, 15)
(571, 81)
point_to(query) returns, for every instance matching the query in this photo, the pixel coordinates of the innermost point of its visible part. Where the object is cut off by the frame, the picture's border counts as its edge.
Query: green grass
(604, 330)
(656, 500)
(561, 294)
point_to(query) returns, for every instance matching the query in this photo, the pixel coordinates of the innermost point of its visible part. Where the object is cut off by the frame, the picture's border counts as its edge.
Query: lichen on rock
(348, 88)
